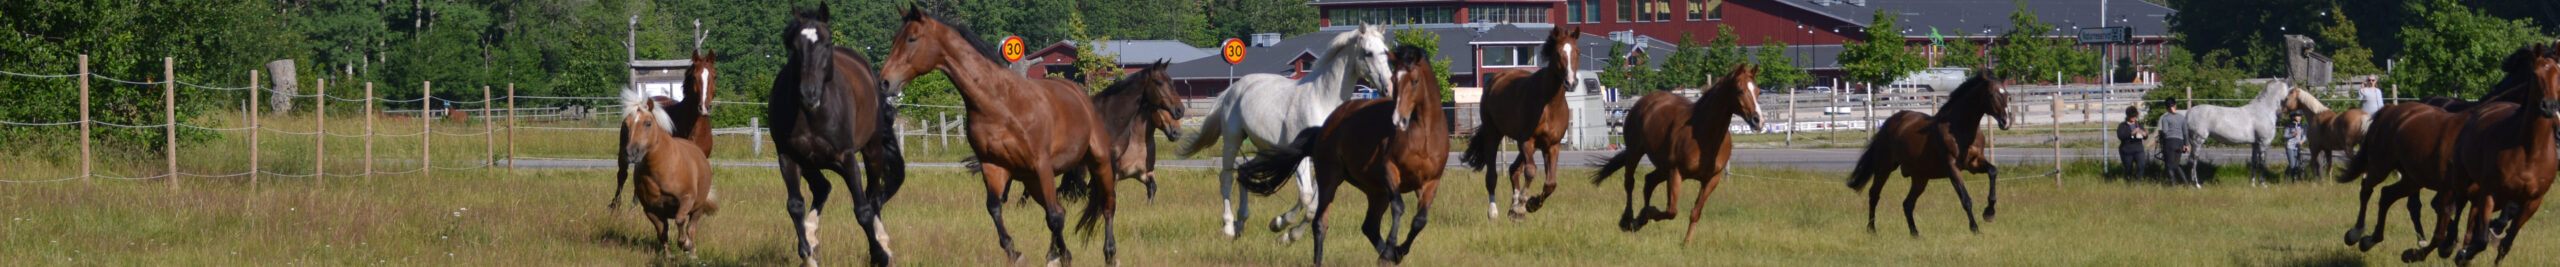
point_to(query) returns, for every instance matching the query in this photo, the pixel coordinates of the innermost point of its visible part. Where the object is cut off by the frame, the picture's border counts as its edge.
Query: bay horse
(1928, 147)
(1529, 107)
(674, 181)
(694, 112)
(1140, 103)
(1266, 109)
(2415, 139)
(827, 108)
(1362, 145)
(2503, 160)
(2324, 129)
(1685, 141)
(1022, 129)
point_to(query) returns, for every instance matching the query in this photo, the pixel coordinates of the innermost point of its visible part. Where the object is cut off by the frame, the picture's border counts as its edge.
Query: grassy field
(1760, 218)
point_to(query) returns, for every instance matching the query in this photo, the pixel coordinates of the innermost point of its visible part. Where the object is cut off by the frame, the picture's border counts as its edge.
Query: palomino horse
(826, 108)
(1268, 109)
(2415, 140)
(674, 184)
(1684, 140)
(1529, 107)
(2505, 159)
(1363, 146)
(1023, 129)
(692, 111)
(1926, 147)
(2253, 124)
(2325, 129)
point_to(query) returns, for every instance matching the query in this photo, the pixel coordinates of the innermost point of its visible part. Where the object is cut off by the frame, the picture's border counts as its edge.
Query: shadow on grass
(641, 240)
(2304, 257)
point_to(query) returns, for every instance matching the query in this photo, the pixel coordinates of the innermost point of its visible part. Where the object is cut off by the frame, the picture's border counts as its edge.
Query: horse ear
(824, 14)
(911, 14)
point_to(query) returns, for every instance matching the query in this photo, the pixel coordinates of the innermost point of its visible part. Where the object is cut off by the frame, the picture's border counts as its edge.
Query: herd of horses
(833, 111)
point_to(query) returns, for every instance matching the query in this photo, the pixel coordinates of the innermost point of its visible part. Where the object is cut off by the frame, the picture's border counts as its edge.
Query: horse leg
(798, 208)
(1306, 197)
(2443, 202)
(659, 223)
(1653, 180)
(1421, 216)
(2477, 234)
(1963, 197)
(1908, 202)
(1875, 193)
(2505, 244)
(1047, 192)
(2382, 214)
(683, 228)
(2355, 234)
(1382, 204)
(1626, 218)
(998, 179)
(1991, 198)
(1519, 175)
(1695, 208)
(1324, 208)
(1233, 201)
(1550, 191)
(881, 179)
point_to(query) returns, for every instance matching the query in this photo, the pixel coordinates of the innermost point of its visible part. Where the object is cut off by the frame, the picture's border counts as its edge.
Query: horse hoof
(1016, 256)
(1492, 211)
(2368, 243)
(2412, 255)
(1659, 215)
(1535, 203)
(1057, 262)
(1385, 262)
(1223, 229)
(1280, 223)
(2355, 236)
(1988, 213)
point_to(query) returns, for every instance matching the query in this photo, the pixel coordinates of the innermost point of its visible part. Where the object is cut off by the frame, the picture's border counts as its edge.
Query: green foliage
(2455, 50)
(1240, 18)
(2338, 41)
(1430, 43)
(1627, 75)
(1777, 71)
(2207, 76)
(1687, 66)
(214, 43)
(1099, 69)
(2026, 55)
(1961, 53)
(1880, 59)
(1722, 54)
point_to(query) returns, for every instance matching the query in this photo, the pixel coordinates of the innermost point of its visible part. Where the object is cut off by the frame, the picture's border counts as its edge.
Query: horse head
(642, 124)
(2297, 100)
(2546, 77)
(1166, 107)
(926, 42)
(1413, 72)
(698, 79)
(1740, 90)
(1981, 93)
(811, 47)
(1559, 52)
(1368, 60)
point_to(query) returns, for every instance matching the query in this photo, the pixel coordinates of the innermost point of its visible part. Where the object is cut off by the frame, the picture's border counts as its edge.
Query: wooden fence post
(253, 129)
(1791, 118)
(2057, 136)
(84, 120)
(511, 126)
(755, 136)
(320, 148)
(169, 114)
(488, 141)
(368, 130)
(427, 137)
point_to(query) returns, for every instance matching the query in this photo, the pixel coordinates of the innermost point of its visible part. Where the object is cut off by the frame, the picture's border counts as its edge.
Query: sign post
(1012, 48)
(1231, 50)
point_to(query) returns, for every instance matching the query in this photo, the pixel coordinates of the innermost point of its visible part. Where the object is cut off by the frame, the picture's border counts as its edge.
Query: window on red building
(1573, 12)
(1627, 9)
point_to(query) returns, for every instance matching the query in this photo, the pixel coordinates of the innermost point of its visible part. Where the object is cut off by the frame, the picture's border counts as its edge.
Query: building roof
(1919, 16)
(1134, 52)
(1510, 34)
(1275, 58)
(1355, 2)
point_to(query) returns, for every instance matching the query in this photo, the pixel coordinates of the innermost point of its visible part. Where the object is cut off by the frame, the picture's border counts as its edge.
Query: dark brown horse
(1928, 147)
(1360, 145)
(2415, 140)
(1529, 107)
(674, 182)
(827, 108)
(2502, 161)
(1685, 141)
(694, 113)
(1140, 103)
(1029, 130)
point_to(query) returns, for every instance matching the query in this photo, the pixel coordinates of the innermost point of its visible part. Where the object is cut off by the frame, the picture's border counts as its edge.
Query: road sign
(1013, 48)
(2105, 35)
(1233, 50)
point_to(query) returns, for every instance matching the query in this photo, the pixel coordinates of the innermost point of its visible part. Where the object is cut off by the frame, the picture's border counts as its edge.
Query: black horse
(827, 107)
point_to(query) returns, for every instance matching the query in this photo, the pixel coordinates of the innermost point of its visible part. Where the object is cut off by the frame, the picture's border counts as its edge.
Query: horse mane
(635, 102)
(965, 35)
(1964, 92)
(1126, 84)
(857, 57)
(1334, 52)
(2274, 93)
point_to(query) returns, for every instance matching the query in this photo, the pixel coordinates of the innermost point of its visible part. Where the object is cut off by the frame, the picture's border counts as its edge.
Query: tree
(1961, 53)
(1777, 71)
(1722, 54)
(1624, 72)
(1240, 18)
(1430, 43)
(1687, 66)
(2455, 50)
(2207, 76)
(2339, 39)
(2026, 54)
(1100, 70)
(1880, 59)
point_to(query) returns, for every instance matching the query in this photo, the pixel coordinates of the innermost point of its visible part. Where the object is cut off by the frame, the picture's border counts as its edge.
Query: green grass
(1762, 217)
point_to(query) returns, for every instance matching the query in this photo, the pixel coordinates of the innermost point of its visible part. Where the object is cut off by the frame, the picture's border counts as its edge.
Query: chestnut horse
(1529, 107)
(2415, 140)
(674, 185)
(1685, 141)
(2503, 160)
(827, 108)
(1926, 147)
(1361, 145)
(1022, 129)
(2325, 129)
(692, 111)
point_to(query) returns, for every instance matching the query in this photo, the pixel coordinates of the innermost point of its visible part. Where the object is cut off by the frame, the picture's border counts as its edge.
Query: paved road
(1813, 159)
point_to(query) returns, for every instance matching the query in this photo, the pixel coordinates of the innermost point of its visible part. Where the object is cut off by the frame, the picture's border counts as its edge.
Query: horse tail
(1264, 174)
(1073, 183)
(887, 165)
(1076, 186)
(711, 201)
(1874, 160)
(1482, 148)
(971, 163)
(1211, 127)
(1625, 159)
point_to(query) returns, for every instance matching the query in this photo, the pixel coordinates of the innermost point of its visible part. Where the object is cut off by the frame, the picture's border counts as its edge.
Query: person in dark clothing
(2131, 134)
(2174, 146)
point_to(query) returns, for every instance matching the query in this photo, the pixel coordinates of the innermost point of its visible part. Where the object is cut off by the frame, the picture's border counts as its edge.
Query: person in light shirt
(2372, 96)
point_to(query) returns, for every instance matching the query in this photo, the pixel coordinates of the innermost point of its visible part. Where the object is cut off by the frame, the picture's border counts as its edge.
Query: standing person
(2371, 96)
(2131, 134)
(2174, 147)
(2293, 146)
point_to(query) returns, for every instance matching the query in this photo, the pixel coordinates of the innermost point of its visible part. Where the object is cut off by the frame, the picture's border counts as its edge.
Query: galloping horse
(675, 178)
(2416, 140)
(1529, 107)
(2253, 124)
(1363, 145)
(1926, 147)
(2325, 130)
(1268, 109)
(1140, 103)
(692, 111)
(1023, 129)
(826, 107)
(2505, 159)
(1677, 136)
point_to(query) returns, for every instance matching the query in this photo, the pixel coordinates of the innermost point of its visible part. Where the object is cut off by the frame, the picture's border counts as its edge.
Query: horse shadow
(639, 239)
(2157, 172)
(2289, 256)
